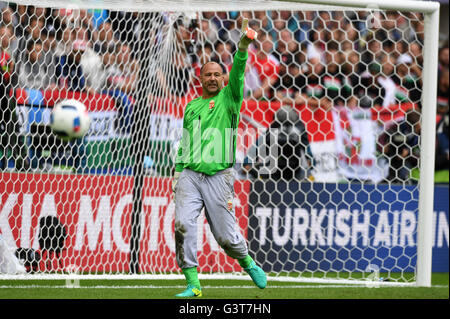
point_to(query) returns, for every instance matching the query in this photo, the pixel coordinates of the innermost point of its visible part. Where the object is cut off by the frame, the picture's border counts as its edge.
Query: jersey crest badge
(230, 205)
(211, 104)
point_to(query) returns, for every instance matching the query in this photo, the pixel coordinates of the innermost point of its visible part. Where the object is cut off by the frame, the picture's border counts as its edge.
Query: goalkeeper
(205, 180)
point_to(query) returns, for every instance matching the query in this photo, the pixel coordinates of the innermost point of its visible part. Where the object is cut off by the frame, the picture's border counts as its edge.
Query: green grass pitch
(215, 289)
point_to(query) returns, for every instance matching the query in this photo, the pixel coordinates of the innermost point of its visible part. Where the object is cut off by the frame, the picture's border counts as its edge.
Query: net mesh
(336, 92)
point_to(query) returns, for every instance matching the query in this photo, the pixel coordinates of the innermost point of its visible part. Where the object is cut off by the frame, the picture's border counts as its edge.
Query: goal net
(329, 142)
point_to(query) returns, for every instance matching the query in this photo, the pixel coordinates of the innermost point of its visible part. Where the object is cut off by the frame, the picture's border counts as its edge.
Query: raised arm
(236, 77)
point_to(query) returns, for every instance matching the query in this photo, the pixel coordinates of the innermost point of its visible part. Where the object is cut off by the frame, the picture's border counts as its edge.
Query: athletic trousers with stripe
(215, 193)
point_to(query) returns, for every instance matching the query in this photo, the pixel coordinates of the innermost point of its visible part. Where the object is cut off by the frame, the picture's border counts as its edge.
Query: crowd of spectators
(63, 49)
(321, 59)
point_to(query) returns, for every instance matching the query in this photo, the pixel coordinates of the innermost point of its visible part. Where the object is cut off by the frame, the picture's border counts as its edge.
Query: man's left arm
(237, 73)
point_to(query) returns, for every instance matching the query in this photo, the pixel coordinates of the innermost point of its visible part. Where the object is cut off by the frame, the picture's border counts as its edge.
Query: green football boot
(190, 291)
(257, 274)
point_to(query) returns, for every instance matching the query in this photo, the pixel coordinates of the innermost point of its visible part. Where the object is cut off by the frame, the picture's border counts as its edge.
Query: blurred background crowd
(322, 59)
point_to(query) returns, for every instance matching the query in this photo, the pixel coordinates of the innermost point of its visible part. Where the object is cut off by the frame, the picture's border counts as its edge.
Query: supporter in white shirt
(92, 66)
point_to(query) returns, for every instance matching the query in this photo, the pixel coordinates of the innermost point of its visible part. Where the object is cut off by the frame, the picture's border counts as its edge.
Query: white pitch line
(205, 287)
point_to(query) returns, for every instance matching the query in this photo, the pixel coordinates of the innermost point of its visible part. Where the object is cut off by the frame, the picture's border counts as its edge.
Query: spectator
(85, 20)
(69, 71)
(35, 73)
(305, 23)
(53, 21)
(234, 33)
(185, 36)
(442, 137)
(266, 65)
(415, 50)
(252, 82)
(224, 23)
(62, 18)
(315, 47)
(33, 32)
(288, 134)
(81, 33)
(92, 66)
(177, 78)
(388, 65)
(443, 58)
(209, 31)
(224, 55)
(349, 68)
(407, 82)
(401, 47)
(259, 20)
(315, 84)
(277, 25)
(7, 127)
(6, 59)
(373, 52)
(6, 37)
(389, 24)
(290, 69)
(123, 74)
(126, 27)
(38, 12)
(416, 27)
(50, 47)
(374, 88)
(8, 17)
(74, 18)
(443, 85)
(351, 63)
(108, 63)
(442, 141)
(348, 35)
(64, 45)
(334, 81)
(21, 16)
(285, 44)
(105, 38)
(400, 145)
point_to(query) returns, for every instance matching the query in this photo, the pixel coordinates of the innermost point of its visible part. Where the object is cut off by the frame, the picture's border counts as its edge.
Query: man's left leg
(218, 195)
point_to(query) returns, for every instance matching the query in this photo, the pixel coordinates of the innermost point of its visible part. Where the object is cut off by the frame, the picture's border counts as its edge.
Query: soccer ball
(69, 120)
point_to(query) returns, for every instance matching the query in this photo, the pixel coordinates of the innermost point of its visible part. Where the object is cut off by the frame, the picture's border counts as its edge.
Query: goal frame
(430, 10)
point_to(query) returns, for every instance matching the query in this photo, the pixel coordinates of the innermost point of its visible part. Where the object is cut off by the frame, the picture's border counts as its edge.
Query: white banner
(356, 139)
(325, 168)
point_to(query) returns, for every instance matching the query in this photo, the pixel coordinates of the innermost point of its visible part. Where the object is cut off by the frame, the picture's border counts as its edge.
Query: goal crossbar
(239, 5)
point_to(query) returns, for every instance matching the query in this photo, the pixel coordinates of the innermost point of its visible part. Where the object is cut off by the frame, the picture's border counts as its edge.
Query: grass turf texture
(214, 289)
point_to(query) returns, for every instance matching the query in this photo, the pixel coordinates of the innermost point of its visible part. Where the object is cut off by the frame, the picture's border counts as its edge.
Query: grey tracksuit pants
(194, 191)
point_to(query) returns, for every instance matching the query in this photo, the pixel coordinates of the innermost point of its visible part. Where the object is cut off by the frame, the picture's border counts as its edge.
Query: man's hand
(248, 36)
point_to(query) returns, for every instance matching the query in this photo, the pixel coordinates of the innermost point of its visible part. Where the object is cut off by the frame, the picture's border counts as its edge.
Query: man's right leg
(188, 205)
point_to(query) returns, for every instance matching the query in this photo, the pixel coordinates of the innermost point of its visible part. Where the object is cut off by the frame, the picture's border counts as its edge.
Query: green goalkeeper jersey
(208, 143)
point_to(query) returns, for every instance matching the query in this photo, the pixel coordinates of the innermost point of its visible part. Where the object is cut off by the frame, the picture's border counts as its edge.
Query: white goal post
(137, 110)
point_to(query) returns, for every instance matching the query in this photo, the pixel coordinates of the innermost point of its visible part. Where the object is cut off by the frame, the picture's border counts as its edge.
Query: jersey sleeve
(235, 85)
